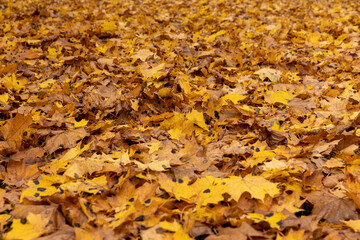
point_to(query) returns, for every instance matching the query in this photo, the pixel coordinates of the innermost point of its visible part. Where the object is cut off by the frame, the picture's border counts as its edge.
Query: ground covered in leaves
(179, 119)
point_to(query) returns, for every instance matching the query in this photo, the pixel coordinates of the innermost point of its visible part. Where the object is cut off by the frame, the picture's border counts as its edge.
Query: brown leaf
(243, 232)
(64, 233)
(65, 140)
(305, 222)
(17, 173)
(28, 156)
(200, 229)
(332, 180)
(331, 208)
(13, 130)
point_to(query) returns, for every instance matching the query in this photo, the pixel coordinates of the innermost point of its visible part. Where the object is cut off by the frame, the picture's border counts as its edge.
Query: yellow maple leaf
(81, 123)
(177, 187)
(278, 97)
(272, 74)
(352, 186)
(293, 77)
(165, 92)
(93, 186)
(157, 165)
(260, 155)
(170, 226)
(79, 167)
(32, 227)
(154, 72)
(257, 186)
(209, 190)
(175, 133)
(153, 146)
(123, 213)
(102, 49)
(39, 188)
(4, 100)
(245, 109)
(196, 37)
(64, 162)
(197, 118)
(108, 26)
(47, 84)
(12, 83)
(54, 52)
(273, 218)
(212, 37)
(234, 97)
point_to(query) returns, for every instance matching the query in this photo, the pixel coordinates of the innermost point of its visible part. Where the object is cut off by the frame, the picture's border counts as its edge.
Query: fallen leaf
(278, 97)
(31, 227)
(331, 208)
(13, 130)
(142, 54)
(272, 74)
(13, 83)
(65, 140)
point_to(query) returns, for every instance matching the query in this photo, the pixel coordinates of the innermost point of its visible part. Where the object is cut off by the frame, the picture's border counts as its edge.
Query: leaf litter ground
(179, 119)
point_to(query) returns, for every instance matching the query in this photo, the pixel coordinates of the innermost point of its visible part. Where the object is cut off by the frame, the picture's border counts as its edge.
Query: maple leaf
(54, 52)
(108, 26)
(178, 187)
(38, 189)
(257, 186)
(13, 130)
(64, 162)
(234, 97)
(274, 219)
(65, 140)
(18, 172)
(331, 208)
(212, 37)
(142, 54)
(259, 156)
(197, 118)
(278, 97)
(155, 72)
(272, 74)
(31, 227)
(13, 83)
(93, 186)
(210, 190)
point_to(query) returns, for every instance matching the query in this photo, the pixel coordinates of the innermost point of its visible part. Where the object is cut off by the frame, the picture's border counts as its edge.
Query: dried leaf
(13, 130)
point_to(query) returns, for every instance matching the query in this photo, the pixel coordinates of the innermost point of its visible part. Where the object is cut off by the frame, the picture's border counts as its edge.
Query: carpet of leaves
(179, 119)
